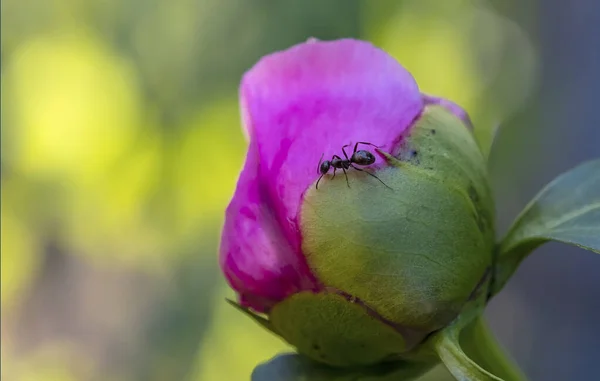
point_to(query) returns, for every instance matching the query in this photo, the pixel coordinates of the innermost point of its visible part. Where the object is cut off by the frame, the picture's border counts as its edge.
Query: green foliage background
(121, 145)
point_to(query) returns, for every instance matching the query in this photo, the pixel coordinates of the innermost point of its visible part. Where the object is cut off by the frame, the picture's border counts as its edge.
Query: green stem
(482, 347)
(469, 350)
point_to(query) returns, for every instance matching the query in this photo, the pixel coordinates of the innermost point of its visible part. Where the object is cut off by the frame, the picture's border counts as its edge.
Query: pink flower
(298, 105)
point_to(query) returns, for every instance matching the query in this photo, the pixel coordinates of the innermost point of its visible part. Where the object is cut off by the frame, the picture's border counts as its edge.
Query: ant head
(324, 167)
(363, 157)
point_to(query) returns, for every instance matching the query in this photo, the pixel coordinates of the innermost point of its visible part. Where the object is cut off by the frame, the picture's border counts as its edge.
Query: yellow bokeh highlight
(107, 218)
(74, 103)
(430, 42)
(75, 123)
(208, 159)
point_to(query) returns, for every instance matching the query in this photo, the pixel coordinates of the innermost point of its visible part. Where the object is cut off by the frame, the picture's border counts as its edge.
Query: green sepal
(265, 323)
(414, 252)
(567, 210)
(329, 328)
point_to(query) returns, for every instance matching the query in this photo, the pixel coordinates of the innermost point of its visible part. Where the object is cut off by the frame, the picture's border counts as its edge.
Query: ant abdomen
(362, 157)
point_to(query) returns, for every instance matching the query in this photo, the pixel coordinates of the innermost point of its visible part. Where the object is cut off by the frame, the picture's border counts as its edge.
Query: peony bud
(386, 250)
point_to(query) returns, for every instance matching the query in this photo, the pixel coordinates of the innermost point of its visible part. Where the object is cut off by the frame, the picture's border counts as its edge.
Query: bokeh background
(121, 145)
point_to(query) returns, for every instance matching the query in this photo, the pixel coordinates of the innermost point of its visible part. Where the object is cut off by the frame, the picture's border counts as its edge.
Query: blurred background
(121, 145)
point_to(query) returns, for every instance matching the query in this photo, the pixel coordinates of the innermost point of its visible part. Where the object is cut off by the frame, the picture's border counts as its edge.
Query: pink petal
(314, 98)
(298, 104)
(258, 261)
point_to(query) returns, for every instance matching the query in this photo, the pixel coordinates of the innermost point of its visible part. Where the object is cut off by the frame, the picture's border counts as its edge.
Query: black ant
(361, 157)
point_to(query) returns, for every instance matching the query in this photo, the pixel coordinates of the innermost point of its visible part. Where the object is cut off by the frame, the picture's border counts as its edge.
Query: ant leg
(370, 174)
(367, 143)
(345, 174)
(317, 186)
(334, 169)
(344, 151)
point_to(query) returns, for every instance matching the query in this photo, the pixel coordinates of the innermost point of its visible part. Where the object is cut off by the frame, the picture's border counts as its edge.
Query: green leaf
(567, 210)
(294, 367)
(470, 352)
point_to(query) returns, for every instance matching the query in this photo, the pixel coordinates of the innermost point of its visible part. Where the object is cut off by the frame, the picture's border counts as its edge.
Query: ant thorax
(337, 162)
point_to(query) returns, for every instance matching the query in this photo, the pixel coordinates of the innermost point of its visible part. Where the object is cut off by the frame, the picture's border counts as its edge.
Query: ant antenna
(319, 166)
(320, 177)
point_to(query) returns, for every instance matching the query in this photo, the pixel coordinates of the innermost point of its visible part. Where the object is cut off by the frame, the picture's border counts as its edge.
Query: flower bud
(398, 234)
